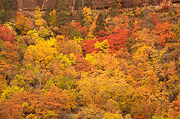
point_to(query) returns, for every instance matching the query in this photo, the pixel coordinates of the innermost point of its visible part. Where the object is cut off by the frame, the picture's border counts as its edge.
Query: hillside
(112, 63)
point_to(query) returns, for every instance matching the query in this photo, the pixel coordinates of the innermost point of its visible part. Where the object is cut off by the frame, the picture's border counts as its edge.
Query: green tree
(5, 11)
(114, 8)
(100, 24)
(78, 13)
(64, 14)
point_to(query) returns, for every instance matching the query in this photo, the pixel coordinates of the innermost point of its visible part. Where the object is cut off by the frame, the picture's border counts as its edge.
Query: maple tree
(7, 34)
(117, 40)
(164, 33)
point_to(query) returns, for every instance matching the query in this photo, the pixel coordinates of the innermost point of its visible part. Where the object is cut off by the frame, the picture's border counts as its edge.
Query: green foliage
(114, 7)
(100, 24)
(6, 12)
(63, 14)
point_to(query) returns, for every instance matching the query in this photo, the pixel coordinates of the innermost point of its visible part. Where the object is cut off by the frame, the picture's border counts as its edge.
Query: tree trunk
(73, 10)
(93, 7)
(82, 3)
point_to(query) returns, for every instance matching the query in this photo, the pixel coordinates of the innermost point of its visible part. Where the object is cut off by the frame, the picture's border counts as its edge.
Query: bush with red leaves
(165, 8)
(117, 40)
(6, 34)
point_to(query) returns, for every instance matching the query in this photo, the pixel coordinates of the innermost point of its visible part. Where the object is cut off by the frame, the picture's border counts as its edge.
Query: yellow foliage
(38, 16)
(52, 41)
(102, 46)
(40, 22)
(79, 40)
(146, 53)
(103, 61)
(42, 53)
(35, 35)
(105, 90)
(9, 91)
(112, 116)
(87, 13)
(66, 60)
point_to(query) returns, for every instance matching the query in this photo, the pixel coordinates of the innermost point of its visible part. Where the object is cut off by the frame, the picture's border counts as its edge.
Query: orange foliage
(164, 33)
(23, 24)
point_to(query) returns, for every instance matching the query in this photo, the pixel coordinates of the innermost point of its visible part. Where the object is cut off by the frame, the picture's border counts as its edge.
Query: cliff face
(98, 4)
(32, 4)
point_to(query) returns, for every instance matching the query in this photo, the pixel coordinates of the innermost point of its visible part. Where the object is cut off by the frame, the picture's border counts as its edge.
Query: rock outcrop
(98, 4)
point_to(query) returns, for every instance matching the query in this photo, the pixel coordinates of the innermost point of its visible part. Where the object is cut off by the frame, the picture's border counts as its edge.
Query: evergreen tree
(47, 15)
(100, 24)
(114, 8)
(63, 14)
(79, 14)
(5, 11)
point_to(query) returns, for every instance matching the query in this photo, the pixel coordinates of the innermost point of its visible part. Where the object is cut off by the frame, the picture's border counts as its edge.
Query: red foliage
(164, 33)
(165, 8)
(88, 45)
(155, 20)
(117, 40)
(101, 34)
(74, 29)
(6, 34)
(83, 30)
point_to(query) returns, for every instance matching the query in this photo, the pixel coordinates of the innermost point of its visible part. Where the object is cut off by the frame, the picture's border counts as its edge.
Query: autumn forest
(112, 63)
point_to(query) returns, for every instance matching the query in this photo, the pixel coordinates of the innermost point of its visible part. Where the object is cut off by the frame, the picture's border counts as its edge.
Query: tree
(12, 108)
(87, 13)
(100, 24)
(7, 34)
(106, 92)
(42, 54)
(68, 47)
(6, 12)
(164, 34)
(114, 8)
(56, 100)
(39, 21)
(23, 24)
(63, 15)
(117, 40)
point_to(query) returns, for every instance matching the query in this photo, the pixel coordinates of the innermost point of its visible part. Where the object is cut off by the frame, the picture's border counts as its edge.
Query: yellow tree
(87, 13)
(42, 53)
